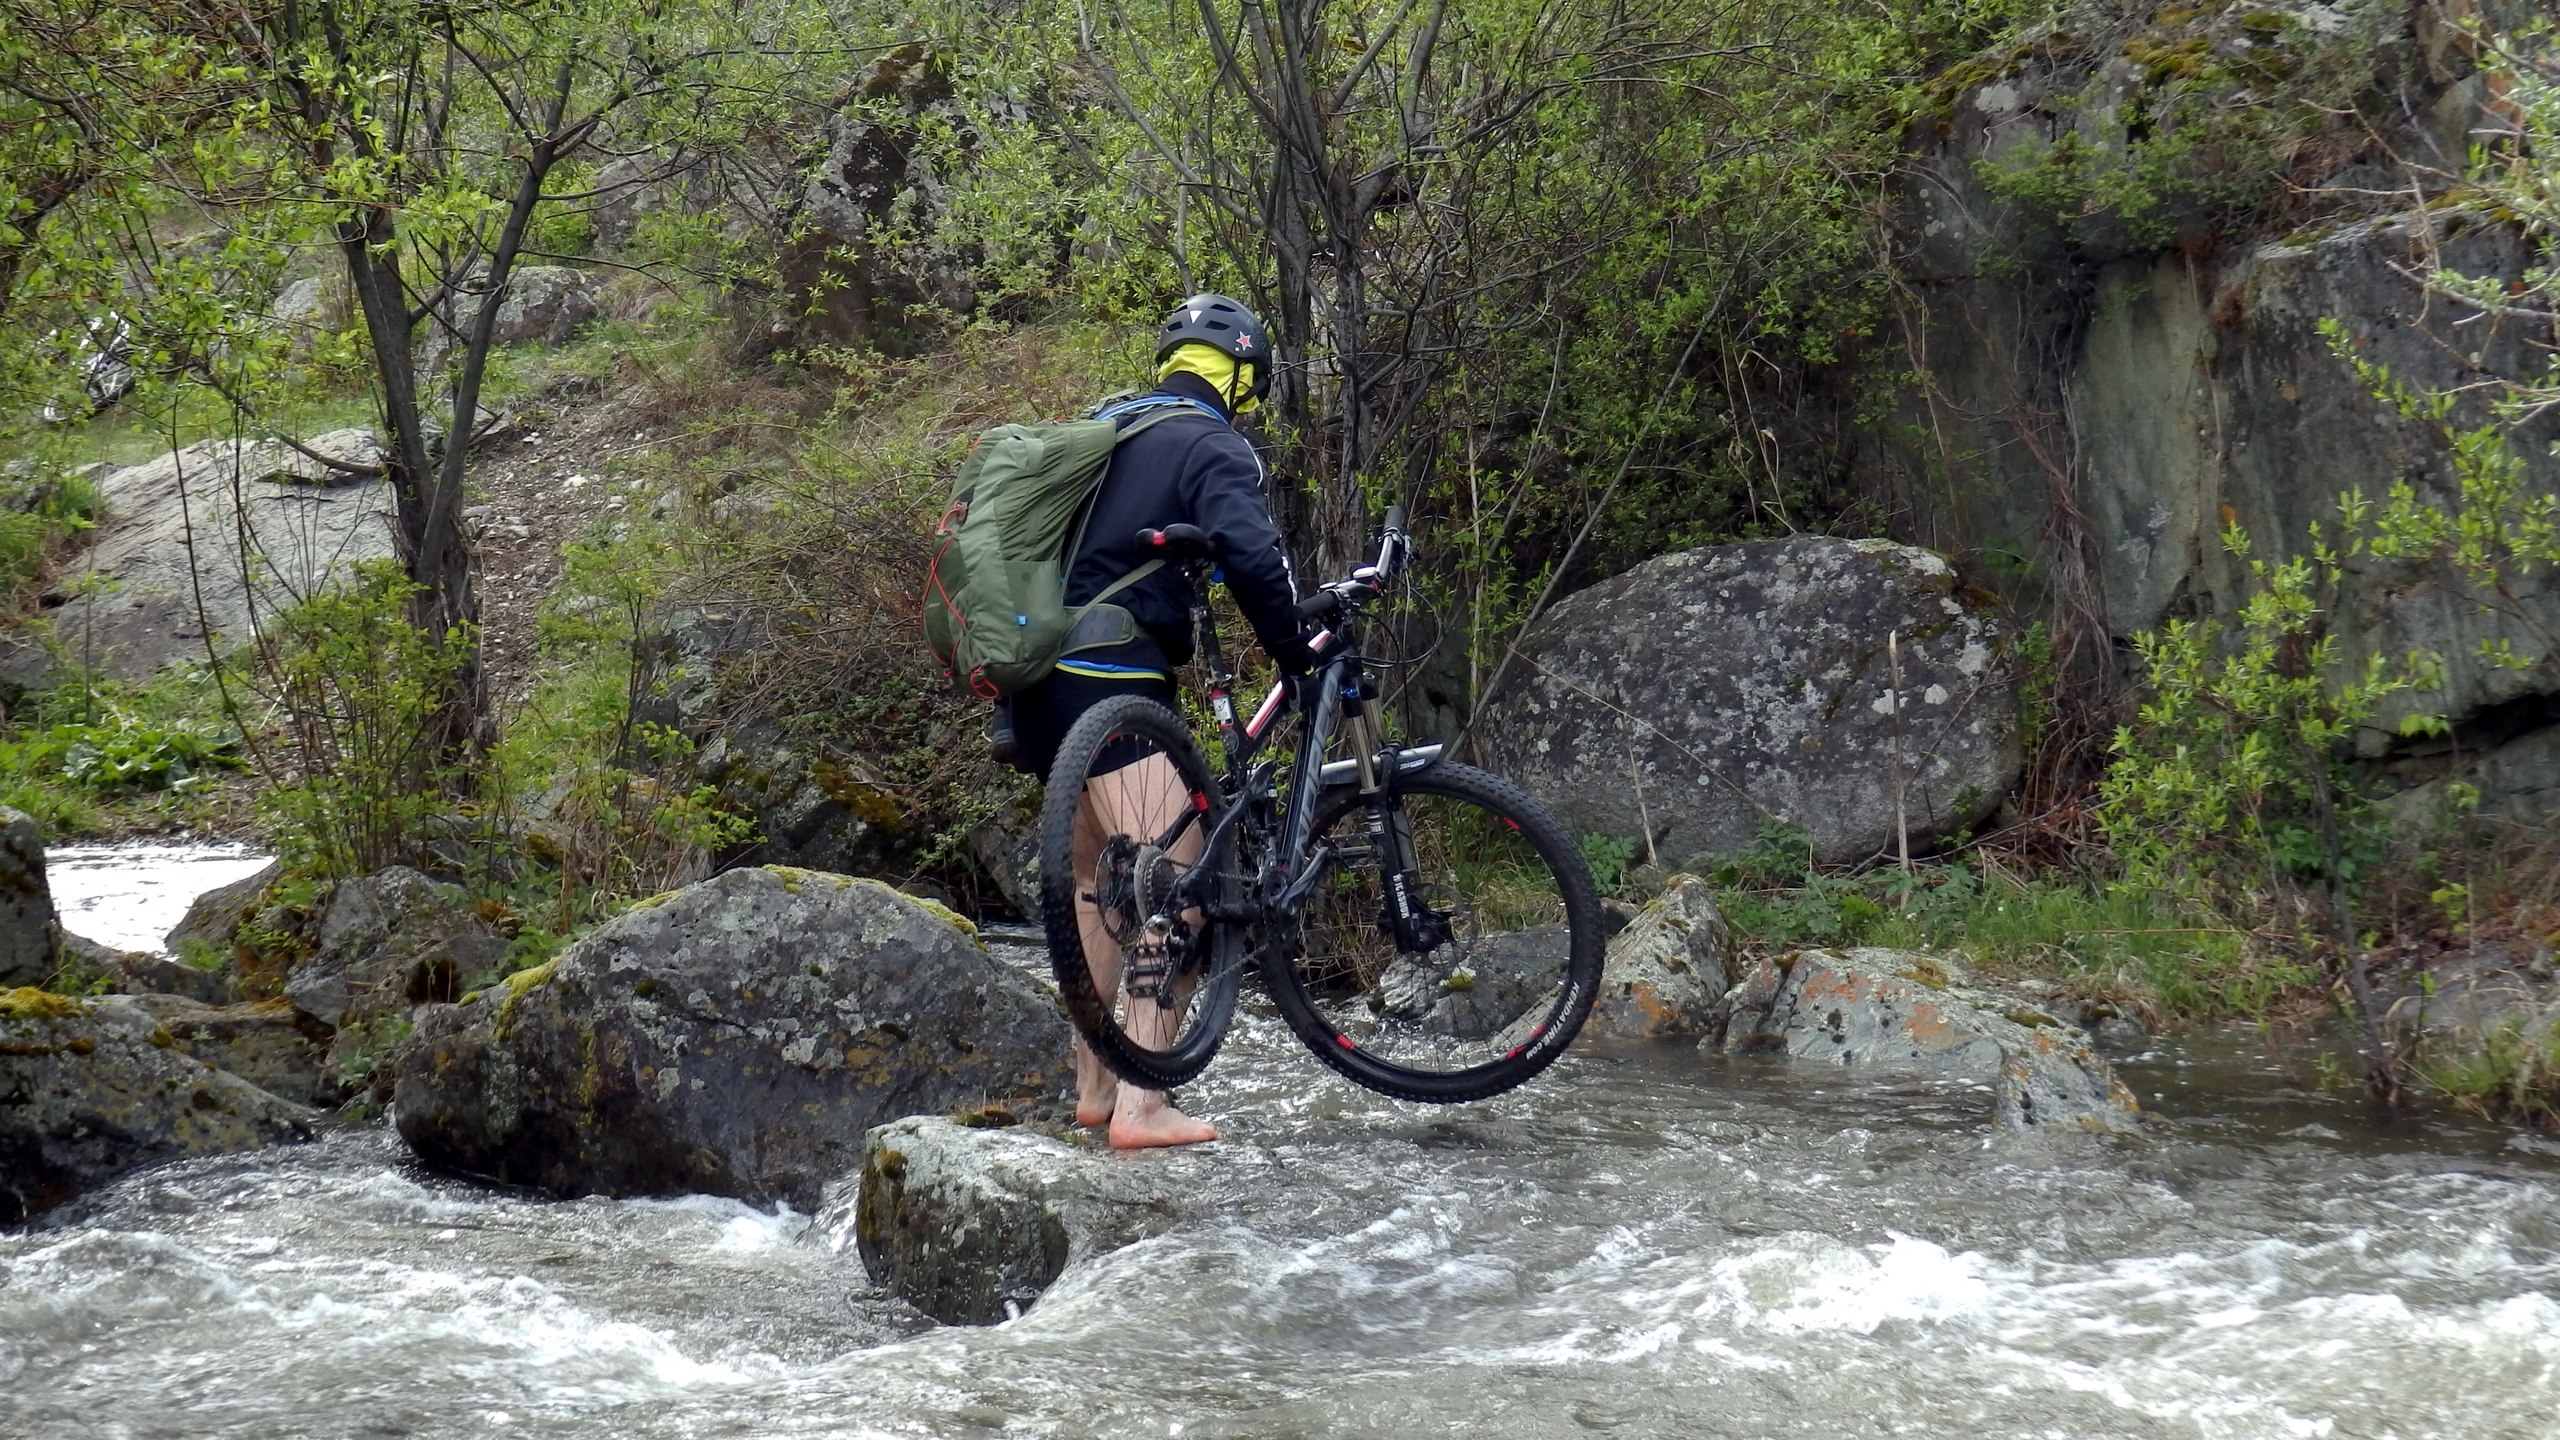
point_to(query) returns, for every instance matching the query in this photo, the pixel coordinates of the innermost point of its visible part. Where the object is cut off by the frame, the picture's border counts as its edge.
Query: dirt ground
(544, 477)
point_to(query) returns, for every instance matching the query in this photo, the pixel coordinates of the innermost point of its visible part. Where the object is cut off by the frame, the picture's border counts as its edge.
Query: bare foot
(1097, 1089)
(1143, 1126)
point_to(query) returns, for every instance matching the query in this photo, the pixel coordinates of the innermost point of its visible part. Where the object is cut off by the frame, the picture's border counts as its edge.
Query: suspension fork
(1400, 866)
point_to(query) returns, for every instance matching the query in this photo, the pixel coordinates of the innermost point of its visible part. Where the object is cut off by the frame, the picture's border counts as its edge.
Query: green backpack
(995, 609)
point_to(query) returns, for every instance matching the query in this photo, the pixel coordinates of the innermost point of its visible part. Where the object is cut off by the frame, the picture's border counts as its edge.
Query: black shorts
(1043, 714)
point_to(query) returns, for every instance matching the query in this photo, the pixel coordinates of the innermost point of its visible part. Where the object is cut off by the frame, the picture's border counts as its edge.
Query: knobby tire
(1504, 802)
(1213, 1000)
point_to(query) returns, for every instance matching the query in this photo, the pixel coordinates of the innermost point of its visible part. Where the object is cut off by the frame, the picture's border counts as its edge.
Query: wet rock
(306, 526)
(213, 921)
(737, 1037)
(2460, 1003)
(971, 1224)
(30, 934)
(1009, 855)
(92, 1088)
(387, 941)
(267, 1043)
(136, 972)
(1702, 694)
(1667, 971)
(1476, 990)
(1889, 1012)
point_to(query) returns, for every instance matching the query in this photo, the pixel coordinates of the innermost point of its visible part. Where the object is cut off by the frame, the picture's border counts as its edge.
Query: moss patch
(516, 986)
(945, 913)
(29, 1003)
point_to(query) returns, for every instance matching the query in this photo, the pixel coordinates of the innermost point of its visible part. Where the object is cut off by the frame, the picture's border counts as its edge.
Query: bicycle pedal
(1148, 965)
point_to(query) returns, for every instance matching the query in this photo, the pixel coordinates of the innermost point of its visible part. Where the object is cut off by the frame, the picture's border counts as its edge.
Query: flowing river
(1645, 1243)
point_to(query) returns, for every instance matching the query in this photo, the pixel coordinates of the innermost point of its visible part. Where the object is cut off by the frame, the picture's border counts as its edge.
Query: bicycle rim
(1129, 804)
(1489, 982)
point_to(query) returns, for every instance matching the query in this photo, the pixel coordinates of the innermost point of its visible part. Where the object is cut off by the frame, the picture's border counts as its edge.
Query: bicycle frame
(1342, 701)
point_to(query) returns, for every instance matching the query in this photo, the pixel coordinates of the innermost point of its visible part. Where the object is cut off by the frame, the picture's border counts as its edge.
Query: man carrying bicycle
(1213, 358)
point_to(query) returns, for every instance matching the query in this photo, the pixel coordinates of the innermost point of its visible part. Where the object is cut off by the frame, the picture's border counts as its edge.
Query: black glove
(1292, 656)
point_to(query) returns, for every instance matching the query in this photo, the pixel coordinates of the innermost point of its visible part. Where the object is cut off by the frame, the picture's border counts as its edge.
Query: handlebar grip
(1322, 605)
(1395, 517)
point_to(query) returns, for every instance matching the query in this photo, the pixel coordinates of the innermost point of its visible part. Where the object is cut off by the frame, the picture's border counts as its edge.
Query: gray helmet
(1223, 325)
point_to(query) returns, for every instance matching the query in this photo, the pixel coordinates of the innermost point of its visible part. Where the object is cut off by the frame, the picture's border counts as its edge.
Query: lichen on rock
(736, 1038)
(1863, 1010)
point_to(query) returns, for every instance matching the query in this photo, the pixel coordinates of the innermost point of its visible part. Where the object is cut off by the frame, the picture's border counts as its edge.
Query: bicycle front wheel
(1482, 974)
(1150, 983)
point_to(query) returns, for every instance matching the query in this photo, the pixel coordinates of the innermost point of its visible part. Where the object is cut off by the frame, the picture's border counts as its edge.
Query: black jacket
(1185, 469)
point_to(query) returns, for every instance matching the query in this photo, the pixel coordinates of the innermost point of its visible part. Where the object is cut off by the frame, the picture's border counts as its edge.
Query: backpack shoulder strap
(1123, 583)
(1150, 411)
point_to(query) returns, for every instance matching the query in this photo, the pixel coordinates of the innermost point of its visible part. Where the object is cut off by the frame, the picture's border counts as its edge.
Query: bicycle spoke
(1483, 973)
(1122, 831)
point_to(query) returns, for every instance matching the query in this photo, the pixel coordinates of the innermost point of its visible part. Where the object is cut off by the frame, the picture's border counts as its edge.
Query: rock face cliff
(2125, 359)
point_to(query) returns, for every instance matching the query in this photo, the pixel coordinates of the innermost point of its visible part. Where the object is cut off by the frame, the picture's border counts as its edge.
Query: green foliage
(122, 754)
(2234, 780)
(2511, 1073)
(2511, 167)
(364, 1045)
(355, 687)
(1608, 857)
(36, 517)
(608, 806)
(2226, 102)
(2078, 929)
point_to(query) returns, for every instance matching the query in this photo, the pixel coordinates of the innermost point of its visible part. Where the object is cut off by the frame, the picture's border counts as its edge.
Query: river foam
(1647, 1245)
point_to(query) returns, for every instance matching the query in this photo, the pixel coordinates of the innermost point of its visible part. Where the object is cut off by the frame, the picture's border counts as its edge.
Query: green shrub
(357, 690)
(2075, 928)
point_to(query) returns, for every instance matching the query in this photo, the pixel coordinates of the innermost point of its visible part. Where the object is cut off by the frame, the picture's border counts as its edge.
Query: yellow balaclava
(1218, 368)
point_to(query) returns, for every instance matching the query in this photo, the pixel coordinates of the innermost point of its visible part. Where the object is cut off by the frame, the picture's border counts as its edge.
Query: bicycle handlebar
(1395, 551)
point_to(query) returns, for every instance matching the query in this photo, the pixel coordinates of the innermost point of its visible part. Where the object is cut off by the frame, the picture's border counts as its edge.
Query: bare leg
(1096, 1087)
(1142, 800)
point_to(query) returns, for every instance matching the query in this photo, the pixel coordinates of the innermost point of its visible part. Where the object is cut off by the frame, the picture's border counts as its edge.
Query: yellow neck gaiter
(1215, 366)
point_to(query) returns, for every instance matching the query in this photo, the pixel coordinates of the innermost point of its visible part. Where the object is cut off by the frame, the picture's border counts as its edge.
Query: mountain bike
(1423, 926)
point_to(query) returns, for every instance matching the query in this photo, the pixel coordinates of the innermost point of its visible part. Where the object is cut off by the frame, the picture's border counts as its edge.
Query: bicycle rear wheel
(1490, 977)
(1129, 807)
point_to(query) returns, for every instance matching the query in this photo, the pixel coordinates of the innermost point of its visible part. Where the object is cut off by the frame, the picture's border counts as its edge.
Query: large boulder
(1890, 1012)
(30, 935)
(737, 1037)
(219, 535)
(2102, 400)
(970, 1223)
(544, 305)
(1692, 700)
(1668, 971)
(92, 1088)
(138, 972)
